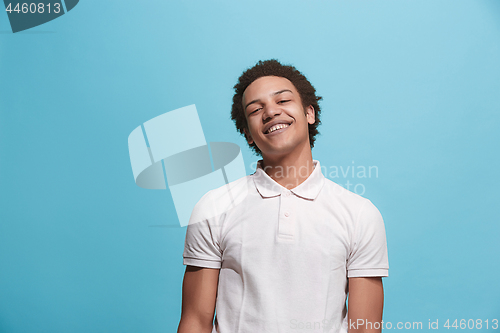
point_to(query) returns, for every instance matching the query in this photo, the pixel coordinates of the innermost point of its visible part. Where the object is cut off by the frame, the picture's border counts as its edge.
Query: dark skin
(199, 293)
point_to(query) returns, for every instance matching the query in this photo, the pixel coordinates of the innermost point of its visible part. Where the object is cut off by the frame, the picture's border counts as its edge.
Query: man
(285, 258)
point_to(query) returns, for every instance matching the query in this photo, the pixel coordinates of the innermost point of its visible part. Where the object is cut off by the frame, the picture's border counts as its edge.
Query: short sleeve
(368, 250)
(202, 247)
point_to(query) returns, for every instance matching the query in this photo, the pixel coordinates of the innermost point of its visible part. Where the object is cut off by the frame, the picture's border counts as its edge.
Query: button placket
(286, 217)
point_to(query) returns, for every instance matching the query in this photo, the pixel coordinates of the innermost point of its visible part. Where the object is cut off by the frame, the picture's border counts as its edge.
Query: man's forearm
(191, 325)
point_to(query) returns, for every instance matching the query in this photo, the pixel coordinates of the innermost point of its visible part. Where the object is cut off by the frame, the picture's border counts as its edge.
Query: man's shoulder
(354, 205)
(221, 199)
(234, 187)
(340, 194)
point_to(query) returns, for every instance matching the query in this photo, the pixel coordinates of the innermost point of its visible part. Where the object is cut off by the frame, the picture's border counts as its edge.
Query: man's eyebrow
(282, 91)
(274, 94)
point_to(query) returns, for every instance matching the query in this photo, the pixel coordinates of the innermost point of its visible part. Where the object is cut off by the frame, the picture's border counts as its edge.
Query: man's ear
(248, 136)
(310, 114)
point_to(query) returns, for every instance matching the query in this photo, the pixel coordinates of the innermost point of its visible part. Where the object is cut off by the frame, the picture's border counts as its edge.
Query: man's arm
(366, 303)
(199, 292)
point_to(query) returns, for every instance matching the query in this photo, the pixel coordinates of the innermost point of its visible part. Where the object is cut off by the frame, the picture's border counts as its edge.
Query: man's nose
(271, 111)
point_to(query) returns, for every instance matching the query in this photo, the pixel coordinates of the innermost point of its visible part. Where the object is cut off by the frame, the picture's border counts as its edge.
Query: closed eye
(284, 101)
(254, 111)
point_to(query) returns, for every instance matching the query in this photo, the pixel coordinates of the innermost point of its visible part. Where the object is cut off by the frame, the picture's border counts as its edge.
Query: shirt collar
(308, 189)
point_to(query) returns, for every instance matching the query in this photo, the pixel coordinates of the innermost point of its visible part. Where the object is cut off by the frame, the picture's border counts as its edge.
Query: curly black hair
(273, 67)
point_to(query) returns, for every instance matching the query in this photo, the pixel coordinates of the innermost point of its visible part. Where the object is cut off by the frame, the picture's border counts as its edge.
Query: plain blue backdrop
(411, 87)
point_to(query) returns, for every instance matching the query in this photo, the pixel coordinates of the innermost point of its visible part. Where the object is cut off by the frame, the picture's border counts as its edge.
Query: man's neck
(289, 170)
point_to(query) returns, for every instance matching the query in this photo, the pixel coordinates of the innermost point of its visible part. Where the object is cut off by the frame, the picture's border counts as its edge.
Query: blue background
(411, 87)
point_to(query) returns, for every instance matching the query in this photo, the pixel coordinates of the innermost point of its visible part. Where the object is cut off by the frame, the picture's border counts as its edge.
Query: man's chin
(276, 151)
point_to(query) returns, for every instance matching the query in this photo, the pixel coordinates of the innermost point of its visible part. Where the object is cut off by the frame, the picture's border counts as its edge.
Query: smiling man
(285, 258)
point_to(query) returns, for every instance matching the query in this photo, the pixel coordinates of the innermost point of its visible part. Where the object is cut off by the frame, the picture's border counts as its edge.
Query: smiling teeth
(277, 127)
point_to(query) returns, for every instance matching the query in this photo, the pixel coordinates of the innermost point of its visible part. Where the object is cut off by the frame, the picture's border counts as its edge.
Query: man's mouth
(276, 127)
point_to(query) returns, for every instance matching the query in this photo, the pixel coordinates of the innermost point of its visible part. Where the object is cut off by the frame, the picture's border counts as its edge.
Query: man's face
(277, 121)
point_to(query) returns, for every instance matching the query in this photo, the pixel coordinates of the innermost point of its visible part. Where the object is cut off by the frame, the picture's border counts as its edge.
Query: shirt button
(287, 214)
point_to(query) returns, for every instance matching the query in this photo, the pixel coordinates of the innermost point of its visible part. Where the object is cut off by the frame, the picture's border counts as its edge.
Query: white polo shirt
(285, 256)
